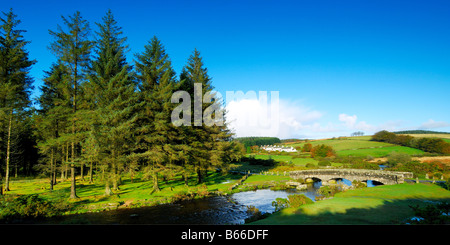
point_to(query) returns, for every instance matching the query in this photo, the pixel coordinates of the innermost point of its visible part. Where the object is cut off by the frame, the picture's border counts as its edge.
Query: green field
(348, 143)
(380, 152)
(362, 146)
(299, 162)
(387, 204)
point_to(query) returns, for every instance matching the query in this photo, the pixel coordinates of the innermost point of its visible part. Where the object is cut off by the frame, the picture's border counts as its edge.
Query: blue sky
(339, 66)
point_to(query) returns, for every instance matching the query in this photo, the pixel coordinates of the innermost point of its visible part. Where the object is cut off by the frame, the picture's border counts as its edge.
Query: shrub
(297, 200)
(358, 184)
(324, 163)
(280, 203)
(26, 207)
(307, 147)
(420, 169)
(322, 151)
(365, 165)
(395, 158)
(328, 191)
(255, 214)
(431, 214)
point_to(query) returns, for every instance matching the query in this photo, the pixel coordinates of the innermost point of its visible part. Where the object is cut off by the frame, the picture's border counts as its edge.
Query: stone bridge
(385, 177)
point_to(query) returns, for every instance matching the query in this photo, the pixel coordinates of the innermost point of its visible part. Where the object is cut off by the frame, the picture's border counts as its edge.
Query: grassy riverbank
(137, 193)
(388, 204)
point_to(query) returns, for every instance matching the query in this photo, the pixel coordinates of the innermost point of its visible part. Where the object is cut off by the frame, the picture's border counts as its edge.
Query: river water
(215, 210)
(230, 209)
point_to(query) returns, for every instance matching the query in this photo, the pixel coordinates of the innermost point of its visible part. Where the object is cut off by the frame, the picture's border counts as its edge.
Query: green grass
(261, 179)
(362, 146)
(286, 159)
(380, 152)
(348, 143)
(138, 193)
(300, 162)
(388, 204)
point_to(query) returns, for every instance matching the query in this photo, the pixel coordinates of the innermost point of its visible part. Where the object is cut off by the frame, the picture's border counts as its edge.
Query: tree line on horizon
(100, 115)
(432, 145)
(257, 140)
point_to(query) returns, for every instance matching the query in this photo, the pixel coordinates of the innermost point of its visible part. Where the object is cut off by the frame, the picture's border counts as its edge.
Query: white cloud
(431, 124)
(349, 121)
(287, 119)
(283, 119)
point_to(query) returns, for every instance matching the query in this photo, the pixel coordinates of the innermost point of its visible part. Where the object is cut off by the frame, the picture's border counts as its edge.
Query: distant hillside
(251, 141)
(419, 132)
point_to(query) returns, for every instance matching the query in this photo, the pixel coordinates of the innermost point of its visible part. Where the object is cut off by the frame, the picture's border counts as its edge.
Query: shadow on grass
(389, 212)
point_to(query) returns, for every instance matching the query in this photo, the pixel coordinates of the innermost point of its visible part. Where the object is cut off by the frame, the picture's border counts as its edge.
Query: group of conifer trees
(100, 116)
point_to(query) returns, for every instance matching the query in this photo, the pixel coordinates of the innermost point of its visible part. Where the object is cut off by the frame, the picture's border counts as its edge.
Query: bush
(328, 191)
(280, 203)
(365, 165)
(395, 158)
(307, 147)
(420, 169)
(255, 214)
(297, 200)
(26, 207)
(324, 163)
(322, 151)
(431, 214)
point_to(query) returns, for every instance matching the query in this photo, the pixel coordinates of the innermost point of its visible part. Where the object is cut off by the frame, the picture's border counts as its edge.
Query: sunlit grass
(388, 204)
(380, 152)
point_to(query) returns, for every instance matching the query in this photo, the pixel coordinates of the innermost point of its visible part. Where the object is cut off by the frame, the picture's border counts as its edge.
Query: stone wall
(385, 177)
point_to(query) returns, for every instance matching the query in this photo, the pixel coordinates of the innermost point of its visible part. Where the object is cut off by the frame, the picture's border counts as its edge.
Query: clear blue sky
(356, 65)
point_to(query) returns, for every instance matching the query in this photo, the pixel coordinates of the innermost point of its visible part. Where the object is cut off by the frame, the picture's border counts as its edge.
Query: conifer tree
(112, 80)
(208, 140)
(15, 82)
(51, 120)
(73, 47)
(156, 135)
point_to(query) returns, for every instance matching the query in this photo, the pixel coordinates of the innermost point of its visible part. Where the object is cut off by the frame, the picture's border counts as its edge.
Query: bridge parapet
(385, 177)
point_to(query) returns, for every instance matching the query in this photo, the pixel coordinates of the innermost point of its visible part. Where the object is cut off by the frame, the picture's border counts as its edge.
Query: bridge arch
(385, 177)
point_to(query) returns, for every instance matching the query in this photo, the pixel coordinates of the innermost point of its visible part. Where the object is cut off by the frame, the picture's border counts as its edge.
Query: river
(230, 209)
(215, 210)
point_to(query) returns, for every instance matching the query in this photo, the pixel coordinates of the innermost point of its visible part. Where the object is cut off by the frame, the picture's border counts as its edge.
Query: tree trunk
(66, 166)
(200, 176)
(8, 152)
(90, 173)
(131, 175)
(51, 171)
(82, 170)
(73, 193)
(155, 183)
(185, 179)
(62, 163)
(1, 185)
(108, 191)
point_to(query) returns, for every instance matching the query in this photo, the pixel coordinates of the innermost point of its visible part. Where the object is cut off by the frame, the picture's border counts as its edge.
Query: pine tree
(156, 79)
(208, 139)
(15, 82)
(51, 120)
(115, 98)
(73, 49)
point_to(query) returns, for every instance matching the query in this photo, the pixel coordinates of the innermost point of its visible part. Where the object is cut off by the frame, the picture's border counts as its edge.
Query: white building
(278, 148)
